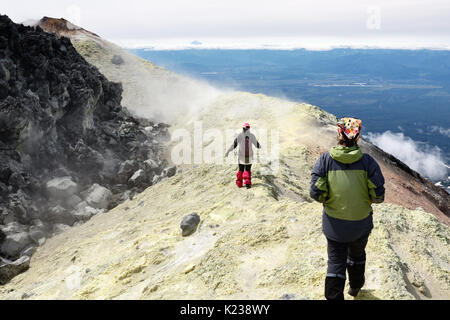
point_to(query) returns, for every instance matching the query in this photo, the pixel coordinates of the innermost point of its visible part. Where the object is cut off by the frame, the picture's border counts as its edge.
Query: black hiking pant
(349, 256)
(245, 167)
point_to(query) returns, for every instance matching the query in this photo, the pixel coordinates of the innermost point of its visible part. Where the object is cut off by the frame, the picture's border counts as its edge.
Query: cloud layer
(418, 156)
(371, 22)
(441, 130)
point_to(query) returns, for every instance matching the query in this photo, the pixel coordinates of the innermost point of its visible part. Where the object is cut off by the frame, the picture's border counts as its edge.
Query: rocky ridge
(262, 243)
(68, 149)
(148, 90)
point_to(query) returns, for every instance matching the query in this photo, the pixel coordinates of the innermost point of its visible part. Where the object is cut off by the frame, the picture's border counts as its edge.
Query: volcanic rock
(62, 130)
(117, 59)
(189, 224)
(9, 269)
(62, 187)
(15, 243)
(98, 196)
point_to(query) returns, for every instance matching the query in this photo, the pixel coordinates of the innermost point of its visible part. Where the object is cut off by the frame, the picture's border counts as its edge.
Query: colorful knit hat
(351, 127)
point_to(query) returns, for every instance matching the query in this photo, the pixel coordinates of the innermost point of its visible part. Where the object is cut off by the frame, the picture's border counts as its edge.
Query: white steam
(169, 96)
(418, 156)
(148, 90)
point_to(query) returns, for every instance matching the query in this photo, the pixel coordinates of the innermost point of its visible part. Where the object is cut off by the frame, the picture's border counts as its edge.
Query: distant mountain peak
(62, 27)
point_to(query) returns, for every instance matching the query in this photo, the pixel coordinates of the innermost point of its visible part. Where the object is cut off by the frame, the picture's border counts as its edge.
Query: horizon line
(313, 44)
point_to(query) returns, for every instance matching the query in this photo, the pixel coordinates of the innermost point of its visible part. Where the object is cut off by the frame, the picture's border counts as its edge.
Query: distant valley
(403, 91)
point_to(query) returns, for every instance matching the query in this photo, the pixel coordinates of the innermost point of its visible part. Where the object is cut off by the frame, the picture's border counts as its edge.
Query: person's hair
(347, 142)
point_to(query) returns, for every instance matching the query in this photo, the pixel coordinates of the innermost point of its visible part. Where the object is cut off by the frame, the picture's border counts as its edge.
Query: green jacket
(347, 182)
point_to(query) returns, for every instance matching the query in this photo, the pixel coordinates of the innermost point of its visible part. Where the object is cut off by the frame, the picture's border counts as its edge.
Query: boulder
(13, 227)
(156, 179)
(32, 213)
(151, 169)
(37, 223)
(62, 187)
(98, 196)
(116, 59)
(73, 201)
(17, 180)
(60, 227)
(84, 212)
(10, 269)
(126, 169)
(29, 251)
(8, 216)
(18, 207)
(15, 243)
(150, 165)
(59, 214)
(138, 179)
(5, 173)
(118, 198)
(169, 171)
(36, 233)
(89, 211)
(189, 224)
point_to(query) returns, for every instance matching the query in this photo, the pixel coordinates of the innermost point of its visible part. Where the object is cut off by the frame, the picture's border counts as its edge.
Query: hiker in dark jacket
(347, 182)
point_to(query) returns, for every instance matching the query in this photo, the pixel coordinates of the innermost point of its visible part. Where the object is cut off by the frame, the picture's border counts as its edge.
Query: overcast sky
(421, 21)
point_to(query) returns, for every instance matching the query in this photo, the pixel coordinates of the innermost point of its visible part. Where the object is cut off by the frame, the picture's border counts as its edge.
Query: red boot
(239, 179)
(247, 178)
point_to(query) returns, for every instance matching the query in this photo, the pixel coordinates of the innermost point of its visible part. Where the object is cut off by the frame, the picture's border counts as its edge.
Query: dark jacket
(347, 182)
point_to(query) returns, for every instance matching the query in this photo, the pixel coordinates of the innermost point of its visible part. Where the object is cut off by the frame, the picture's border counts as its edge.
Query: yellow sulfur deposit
(259, 243)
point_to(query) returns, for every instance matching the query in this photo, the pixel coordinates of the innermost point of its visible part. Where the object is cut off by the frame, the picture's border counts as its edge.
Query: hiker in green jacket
(347, 182)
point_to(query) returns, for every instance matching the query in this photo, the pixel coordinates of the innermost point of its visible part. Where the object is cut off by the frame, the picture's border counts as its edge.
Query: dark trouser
(342, 256)
(245, 167)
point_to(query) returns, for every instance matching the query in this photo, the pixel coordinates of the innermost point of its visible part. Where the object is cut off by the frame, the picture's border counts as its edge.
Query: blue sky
(410, 23)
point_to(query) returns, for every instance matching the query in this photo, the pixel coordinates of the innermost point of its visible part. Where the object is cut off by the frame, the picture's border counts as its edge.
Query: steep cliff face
(64, 137)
